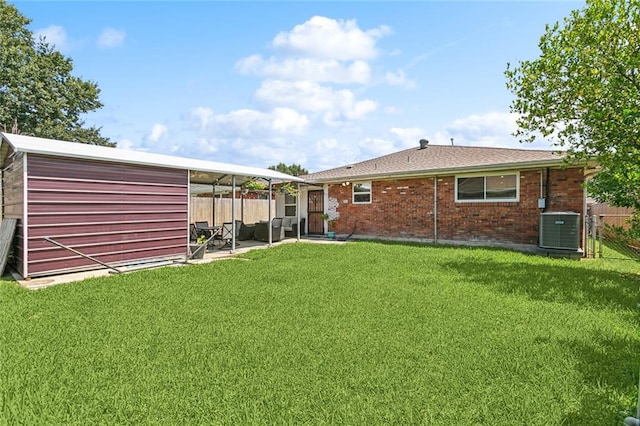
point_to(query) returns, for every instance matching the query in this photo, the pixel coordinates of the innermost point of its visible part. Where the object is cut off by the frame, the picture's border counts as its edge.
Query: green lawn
(362, 333)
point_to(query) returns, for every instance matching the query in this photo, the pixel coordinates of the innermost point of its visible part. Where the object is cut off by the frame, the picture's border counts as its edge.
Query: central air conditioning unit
(560, 231)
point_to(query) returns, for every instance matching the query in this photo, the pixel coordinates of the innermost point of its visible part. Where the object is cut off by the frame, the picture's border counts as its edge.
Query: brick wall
(404, 208)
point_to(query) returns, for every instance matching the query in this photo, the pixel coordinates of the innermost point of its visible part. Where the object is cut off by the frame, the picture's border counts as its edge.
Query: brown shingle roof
(439, 159)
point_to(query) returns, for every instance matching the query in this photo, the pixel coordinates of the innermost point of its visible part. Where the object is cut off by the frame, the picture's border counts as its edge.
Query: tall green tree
(38, 94)
(583, 93)
(293, 169)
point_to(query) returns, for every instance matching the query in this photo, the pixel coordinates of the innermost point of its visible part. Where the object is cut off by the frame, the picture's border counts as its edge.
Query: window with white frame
(489, 187)
(361, 192)
(290, 205)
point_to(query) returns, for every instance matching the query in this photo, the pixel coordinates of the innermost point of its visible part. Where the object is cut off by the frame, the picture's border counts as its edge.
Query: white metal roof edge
(36, 145)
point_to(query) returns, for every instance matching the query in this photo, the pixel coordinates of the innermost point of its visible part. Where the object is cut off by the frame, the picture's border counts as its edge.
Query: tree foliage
(293, 169)
(583, 93)
(38, 94)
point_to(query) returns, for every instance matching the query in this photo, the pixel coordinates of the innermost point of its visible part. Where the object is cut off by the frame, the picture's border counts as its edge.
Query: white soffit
(34, 145)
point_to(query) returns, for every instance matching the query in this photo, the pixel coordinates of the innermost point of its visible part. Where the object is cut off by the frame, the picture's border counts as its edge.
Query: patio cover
(200, 171)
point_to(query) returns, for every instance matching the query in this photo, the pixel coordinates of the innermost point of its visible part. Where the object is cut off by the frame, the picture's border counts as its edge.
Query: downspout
(541, 185)
(547, 190)
(435, 209)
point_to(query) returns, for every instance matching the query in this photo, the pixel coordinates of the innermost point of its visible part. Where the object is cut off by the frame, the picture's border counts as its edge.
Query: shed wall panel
(97, 218)
(117, 213)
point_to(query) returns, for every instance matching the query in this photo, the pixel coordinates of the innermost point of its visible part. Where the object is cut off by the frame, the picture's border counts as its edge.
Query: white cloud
(349, 111)
(158, 132)
(110, 38)
(314, 79)
(207, 146)
(54, 35)
(398, 78)
(308, 96)
(286, 121)
(329, 152)
(251, 123)
(392, 110)
(408, 136)
(330, 38)
(126, 144)
(266, 152)
(203, 115)
(309, 69)
(493, 129)
(310, 61)
(490, 129)
(372, 147)
(303, 95)
(246, 122)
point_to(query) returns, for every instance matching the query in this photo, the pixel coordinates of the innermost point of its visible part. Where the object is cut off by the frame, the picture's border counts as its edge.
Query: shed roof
(200, 171)
(438, 160)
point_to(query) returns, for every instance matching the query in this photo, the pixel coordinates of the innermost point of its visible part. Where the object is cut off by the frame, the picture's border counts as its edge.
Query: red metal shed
(118, 206)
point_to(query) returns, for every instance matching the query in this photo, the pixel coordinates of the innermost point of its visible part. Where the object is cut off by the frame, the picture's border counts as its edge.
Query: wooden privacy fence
(608, 233)
(249, 210)
(618, 216)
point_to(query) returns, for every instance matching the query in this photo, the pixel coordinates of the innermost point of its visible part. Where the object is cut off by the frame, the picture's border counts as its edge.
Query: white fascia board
(35, 145)
(444, 172)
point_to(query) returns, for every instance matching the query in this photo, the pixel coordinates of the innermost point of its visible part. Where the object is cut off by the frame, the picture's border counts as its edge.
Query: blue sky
(319, 84)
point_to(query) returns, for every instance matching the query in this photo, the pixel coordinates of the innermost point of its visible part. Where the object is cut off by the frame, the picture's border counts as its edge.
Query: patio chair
(246, 232)
(262, 230)
(202, 229)
(290, 225)
(193, 233)
(227, 233)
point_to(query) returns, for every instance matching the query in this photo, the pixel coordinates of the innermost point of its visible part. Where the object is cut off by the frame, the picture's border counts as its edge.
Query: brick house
(446, 194)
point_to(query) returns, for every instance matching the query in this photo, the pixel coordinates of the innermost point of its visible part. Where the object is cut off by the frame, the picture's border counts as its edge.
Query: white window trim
(294, 204)
(353, 194)
(491, 200)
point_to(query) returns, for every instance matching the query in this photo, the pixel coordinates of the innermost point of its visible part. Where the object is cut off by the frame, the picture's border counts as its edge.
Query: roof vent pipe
(423, 143)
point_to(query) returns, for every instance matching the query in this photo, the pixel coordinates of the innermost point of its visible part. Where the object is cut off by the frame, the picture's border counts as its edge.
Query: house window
(361, 193)
(290, 205)
(494, 187)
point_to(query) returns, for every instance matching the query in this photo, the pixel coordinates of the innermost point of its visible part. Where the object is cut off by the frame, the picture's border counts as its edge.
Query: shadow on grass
(609, 369)
(608, 364)
(562, 283)
(619, 250)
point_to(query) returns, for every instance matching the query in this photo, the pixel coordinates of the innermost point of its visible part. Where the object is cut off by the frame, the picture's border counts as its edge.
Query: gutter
(440, 172)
